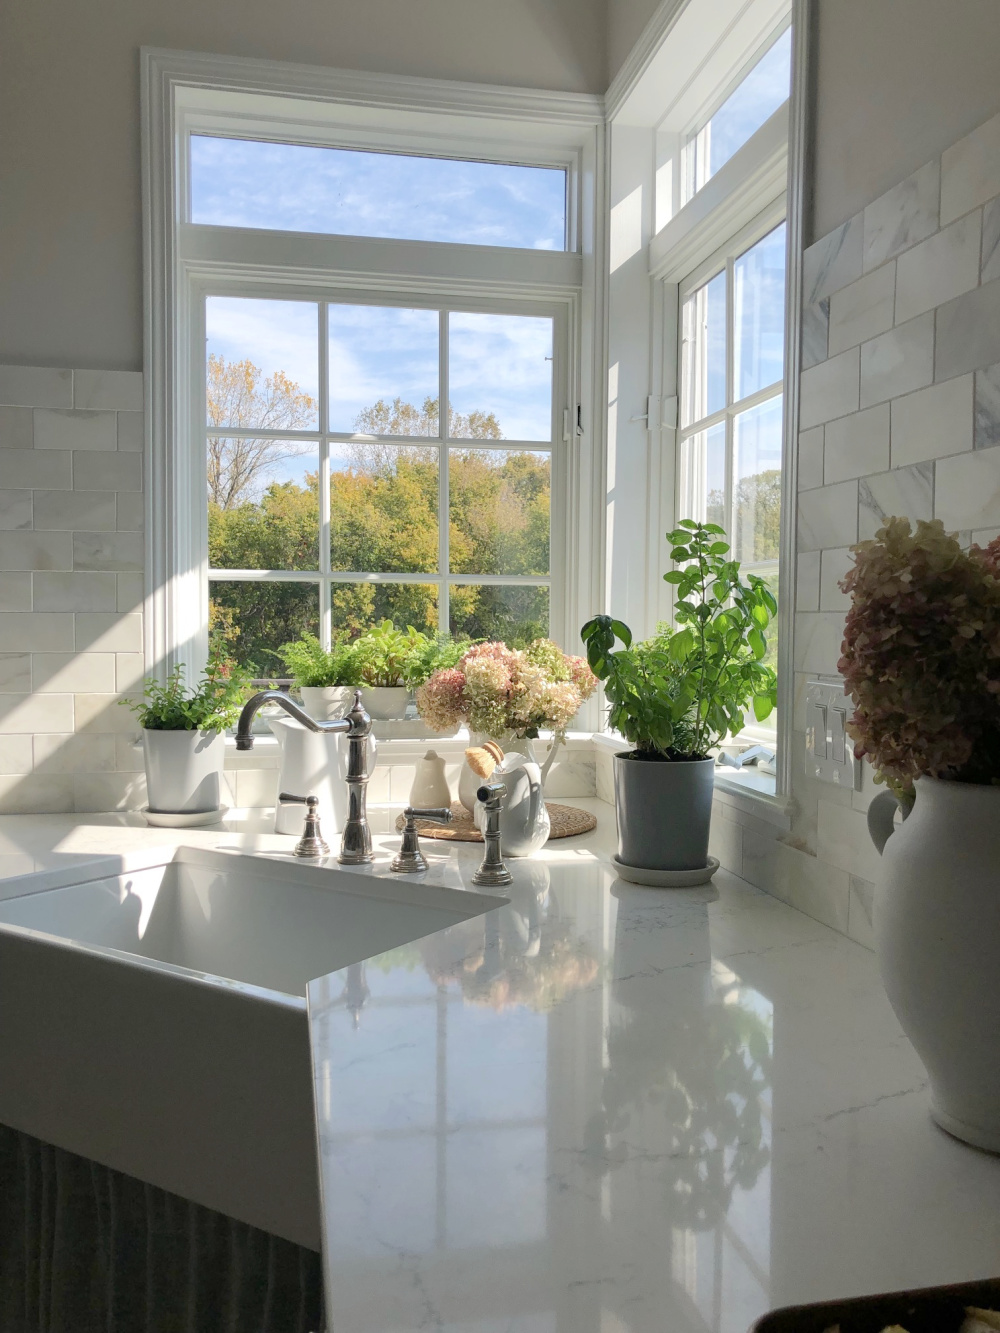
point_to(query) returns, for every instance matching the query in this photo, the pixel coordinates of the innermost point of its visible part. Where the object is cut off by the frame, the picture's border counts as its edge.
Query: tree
(399, 418)
(239, 395)
(758, 515)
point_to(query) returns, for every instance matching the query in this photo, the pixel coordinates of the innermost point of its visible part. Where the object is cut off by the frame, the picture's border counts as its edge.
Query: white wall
(896, 82)
(70, 223)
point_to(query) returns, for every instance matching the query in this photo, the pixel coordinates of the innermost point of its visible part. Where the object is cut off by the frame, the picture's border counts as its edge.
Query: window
(757, 96)
(321, 519)
(732, 363)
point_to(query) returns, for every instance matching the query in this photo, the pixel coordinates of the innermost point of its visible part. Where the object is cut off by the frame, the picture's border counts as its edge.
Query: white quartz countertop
(607, 1109)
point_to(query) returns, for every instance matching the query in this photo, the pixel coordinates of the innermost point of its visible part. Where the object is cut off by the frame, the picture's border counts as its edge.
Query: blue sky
(293, 187)
(498, 362)
(753, 102)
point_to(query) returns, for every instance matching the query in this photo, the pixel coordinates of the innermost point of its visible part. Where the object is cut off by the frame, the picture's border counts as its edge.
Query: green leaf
(674, 576)
(623, 632)
(761, 617)
(757, 644)
(762, 707)
(718, 548)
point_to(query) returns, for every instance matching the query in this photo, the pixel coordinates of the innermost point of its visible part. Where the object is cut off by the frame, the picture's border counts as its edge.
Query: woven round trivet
(566, 821)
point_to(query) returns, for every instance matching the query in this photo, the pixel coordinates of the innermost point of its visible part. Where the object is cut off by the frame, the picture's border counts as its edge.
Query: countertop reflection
(607, 1108)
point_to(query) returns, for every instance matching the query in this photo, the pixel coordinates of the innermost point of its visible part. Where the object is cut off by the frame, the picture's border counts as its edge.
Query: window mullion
(444, 493)
(730, 396)
(325, 605)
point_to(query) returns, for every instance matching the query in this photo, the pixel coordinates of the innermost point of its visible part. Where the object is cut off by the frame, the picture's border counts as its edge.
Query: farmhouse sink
(155, 1020)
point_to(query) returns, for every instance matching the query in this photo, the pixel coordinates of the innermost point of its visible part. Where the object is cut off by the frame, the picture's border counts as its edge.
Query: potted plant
(183, 735)
(921, 660)
(327, 679)
(385, 658)
(676, 696)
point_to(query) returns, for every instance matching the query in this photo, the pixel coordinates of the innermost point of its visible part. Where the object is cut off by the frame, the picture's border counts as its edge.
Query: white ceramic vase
(430, 788)
(327, 703)
(183, 770)
(937, 935)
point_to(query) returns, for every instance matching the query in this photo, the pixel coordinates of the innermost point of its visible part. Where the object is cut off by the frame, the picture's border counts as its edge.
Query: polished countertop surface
(607, 1109)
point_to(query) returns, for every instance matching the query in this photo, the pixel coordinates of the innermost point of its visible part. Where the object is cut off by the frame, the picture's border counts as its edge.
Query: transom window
(732, 363)
(320, 517)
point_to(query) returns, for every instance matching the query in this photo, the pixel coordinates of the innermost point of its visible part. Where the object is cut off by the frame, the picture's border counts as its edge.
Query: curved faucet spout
(356, 723)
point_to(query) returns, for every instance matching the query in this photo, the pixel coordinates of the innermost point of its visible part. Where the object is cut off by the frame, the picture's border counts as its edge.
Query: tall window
(732, 362)
(321, 519)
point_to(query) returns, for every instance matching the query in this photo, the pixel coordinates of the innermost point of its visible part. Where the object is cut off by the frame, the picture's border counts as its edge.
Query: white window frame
(184, 93)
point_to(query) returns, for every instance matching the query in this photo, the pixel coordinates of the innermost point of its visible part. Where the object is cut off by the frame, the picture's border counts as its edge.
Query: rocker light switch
(829, 756)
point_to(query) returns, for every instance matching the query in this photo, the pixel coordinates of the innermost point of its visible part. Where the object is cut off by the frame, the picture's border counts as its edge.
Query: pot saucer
(666, 879)
(192, 819)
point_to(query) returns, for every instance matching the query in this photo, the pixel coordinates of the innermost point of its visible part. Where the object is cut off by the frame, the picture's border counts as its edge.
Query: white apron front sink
(155, 1020)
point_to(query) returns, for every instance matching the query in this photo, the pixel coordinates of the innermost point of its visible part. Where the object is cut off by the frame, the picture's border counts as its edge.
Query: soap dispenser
(430, 786)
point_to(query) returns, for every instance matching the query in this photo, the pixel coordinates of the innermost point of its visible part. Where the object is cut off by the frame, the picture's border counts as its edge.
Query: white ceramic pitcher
(524, 820)
(313, 763)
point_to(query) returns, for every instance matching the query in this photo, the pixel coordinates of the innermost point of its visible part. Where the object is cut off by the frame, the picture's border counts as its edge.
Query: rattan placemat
(567, 821)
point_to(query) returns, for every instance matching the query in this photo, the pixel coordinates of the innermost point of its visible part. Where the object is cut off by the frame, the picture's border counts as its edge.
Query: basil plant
(680, 693)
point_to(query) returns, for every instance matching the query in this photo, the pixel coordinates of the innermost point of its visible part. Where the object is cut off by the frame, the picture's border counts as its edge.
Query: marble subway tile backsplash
(913, 286)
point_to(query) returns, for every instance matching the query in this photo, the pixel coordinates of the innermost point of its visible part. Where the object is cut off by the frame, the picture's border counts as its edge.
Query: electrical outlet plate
(829, 751)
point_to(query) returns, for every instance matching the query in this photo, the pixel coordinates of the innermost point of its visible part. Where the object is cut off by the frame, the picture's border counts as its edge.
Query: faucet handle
(410, 859)
(311, 845)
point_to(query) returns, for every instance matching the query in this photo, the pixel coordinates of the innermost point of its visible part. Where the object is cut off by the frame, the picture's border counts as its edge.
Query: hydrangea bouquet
(500, 691)
(921, 656)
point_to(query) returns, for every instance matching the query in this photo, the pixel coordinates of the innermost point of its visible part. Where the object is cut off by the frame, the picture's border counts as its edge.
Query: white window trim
(184, 91)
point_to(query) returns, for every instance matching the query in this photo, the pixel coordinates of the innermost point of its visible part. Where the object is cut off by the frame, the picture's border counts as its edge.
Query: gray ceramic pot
(664, 811)
(183, 770)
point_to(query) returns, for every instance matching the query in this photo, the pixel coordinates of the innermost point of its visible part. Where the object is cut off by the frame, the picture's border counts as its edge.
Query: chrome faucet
(356, 840)
(492, 871)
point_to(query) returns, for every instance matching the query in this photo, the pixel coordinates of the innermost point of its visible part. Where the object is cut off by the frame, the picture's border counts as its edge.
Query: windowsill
(404, 746)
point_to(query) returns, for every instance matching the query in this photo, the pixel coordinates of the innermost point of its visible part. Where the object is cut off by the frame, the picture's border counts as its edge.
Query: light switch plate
(829, 751)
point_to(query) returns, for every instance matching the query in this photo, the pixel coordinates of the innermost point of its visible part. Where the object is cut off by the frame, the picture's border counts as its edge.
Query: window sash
(325, 577)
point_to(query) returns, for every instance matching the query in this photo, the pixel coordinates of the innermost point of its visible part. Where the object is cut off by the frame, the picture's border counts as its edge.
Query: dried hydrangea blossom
(921, 655)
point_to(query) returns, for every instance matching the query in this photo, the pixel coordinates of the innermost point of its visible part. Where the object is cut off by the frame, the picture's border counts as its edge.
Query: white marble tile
(15, 591)
(604, 775)
(833, 261)
(35, 794)
(131, 432)
(932, 422)
(818, 637)
(810, 460)
(75, 430)
(15, 510)
(69, 591)
(815, 330)
(970, 171)
(906, 492)
(101, 713)
(835, 565)
(843, 841)
(859, 915)
(36, 550)
(828, 516)
(726, 842)
(938, 269)
(902, 216)
(30, 632)
(107, 472)
(991, 241)
(15, 754)
(16, 428)
(807, 567)
(66, 673)
(69, 511)
(109, 791)
(801, 880)
(35, 386)
(109, 632)
(113, 389)
(829, 390)
(74, 754)
(108, 551)
(36, 469)
(29, 714)
(967, 490)
(968, 332)
(862, 310)
(987, 407)
(899, 361)
(130, 511)
(15, 675)
(128, 754)
(130, 669)
(857, 445)
(130, 592)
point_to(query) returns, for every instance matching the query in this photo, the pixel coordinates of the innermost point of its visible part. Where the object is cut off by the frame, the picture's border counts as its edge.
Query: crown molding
(638, 59)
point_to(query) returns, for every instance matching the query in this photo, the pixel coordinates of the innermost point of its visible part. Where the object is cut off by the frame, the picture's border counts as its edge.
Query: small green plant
(313, 666)
(212, 705)
(387, 656)
(681, 692)
(437, 654)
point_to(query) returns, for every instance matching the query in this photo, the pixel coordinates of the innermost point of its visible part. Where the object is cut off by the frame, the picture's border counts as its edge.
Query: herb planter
(937, 937)
(664, 810)
(183, 770)
(327, 703)
(385, 703)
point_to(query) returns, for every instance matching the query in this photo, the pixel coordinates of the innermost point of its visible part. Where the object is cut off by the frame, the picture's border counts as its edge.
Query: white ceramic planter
(383, 704)
(183, 770)
(937, 935)
(664, 812)
(328, 702)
